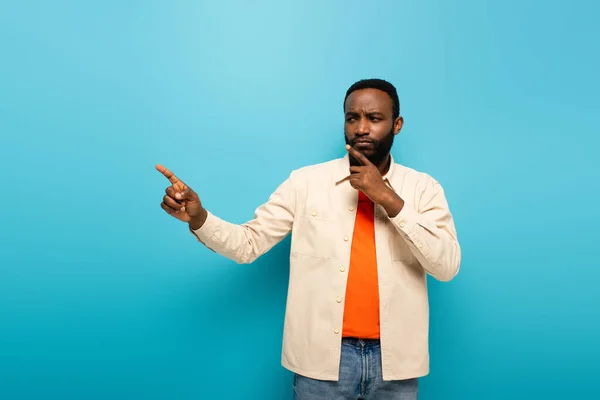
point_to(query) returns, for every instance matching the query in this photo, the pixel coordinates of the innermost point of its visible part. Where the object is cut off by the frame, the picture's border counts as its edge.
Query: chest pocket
(398, 246)
(313, 232)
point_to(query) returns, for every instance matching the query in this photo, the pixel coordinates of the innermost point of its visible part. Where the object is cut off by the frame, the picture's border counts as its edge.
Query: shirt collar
(342, 170)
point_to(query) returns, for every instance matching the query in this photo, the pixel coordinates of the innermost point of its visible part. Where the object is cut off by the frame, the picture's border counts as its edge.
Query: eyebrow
(372, 112)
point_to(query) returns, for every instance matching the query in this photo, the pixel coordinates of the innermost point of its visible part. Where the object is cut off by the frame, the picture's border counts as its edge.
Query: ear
(398, 123)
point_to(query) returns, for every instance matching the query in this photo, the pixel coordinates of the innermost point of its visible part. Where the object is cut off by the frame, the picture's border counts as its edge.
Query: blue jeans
(360, 378)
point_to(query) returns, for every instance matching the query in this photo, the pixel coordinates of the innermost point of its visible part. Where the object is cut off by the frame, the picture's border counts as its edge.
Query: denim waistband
(357, 342)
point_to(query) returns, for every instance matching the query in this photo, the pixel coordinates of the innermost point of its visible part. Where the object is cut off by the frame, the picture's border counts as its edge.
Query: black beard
(380, 152)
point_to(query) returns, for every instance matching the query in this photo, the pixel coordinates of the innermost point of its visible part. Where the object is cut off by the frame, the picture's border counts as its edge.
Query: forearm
(232, 241)
(436, 249)
(429, 231)
(244, 243)
(391, 202)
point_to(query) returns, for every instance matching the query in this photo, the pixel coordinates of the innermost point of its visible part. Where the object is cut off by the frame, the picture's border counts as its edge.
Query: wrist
(392, 203)
(198, 221)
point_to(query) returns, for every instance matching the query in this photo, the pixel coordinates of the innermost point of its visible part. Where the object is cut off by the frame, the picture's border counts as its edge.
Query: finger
(356, 170)
(171, 192)
(168, 174)
(171, 202)
(168, 209)
(180, 195)
(358, 155)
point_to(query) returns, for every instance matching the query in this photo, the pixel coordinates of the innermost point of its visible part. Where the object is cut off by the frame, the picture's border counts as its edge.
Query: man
(365, 232)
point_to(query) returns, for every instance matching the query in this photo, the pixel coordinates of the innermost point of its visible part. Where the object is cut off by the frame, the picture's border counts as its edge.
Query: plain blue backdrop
(103, 295)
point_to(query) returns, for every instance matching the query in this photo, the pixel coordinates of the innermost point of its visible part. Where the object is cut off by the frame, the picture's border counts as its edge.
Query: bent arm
(430, 233)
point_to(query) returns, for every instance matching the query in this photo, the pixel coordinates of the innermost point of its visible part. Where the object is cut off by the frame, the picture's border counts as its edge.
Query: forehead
(372, 99)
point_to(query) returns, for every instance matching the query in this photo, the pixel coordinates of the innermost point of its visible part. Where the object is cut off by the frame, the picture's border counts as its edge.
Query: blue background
(103, 295)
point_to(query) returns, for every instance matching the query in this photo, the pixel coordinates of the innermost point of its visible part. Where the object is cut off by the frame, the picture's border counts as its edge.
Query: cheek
(381, 131)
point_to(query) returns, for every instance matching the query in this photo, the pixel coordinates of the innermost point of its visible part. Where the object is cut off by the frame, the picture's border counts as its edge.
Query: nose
(362, 128)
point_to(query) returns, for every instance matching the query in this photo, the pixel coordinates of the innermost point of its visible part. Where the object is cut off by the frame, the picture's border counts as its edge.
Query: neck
(384, 166)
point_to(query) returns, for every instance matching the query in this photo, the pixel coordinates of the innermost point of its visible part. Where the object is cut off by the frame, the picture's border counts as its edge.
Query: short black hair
(379, 84)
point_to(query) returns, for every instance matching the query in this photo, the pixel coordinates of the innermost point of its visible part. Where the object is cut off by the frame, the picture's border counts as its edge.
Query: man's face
(370, 127)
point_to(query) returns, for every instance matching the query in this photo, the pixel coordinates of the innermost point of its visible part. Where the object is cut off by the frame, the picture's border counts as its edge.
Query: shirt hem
(417, 373)
(310, 374)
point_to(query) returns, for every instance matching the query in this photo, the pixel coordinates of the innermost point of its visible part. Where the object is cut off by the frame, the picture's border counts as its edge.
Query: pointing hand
(180, 201)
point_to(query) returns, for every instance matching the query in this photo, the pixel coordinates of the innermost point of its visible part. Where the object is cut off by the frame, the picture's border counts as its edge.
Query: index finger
(168, 174)
(358, 155)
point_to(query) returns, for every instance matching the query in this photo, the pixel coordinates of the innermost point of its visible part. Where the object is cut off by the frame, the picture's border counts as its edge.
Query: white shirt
(318, 206)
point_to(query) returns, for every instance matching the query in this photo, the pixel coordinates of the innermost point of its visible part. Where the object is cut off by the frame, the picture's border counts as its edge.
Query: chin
(368, 152)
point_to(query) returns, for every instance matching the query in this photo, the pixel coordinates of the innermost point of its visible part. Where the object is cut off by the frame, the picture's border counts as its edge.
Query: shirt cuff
(207, 231)
(406, 220)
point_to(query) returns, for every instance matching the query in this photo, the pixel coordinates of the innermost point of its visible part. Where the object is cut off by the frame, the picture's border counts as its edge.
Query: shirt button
(420, 245)
(336, 331)
(342, 268)
(314, 213)
(339, 299)
(402, 224)
(346, 238)
(351, 208)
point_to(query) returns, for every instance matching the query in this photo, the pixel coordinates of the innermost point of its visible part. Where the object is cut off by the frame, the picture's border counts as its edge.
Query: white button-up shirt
(318, 206)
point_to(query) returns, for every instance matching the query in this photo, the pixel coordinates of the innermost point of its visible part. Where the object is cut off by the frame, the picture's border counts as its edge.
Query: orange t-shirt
(361, 308)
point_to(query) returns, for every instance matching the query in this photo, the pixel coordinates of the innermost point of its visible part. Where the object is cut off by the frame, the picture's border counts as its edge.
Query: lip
(363, 144)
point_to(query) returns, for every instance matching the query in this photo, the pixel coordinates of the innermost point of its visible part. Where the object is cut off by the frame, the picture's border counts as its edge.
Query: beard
(381, 149)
